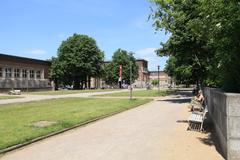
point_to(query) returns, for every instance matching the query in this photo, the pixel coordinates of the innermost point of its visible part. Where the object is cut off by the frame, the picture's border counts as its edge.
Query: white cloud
(150, 55)
(36, 52)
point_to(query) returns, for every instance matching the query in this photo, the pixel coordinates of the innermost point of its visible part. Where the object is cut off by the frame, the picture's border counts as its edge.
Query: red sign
(120, 73)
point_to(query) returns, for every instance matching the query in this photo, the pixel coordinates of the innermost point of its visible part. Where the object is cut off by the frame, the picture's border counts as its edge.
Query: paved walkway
(29, 98)
(148, 132)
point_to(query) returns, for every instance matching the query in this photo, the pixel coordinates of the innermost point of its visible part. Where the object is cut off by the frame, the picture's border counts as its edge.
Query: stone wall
(224, 111)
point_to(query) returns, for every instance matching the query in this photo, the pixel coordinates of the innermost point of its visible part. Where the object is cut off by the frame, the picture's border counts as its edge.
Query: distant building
(145, 76)
(165, 80)
(143, 73)
(23, 73)
(32, 74)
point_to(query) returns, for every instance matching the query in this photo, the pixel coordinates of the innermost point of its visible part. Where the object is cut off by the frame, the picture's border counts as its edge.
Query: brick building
(143, 73)
(144, 76)
(23, 73)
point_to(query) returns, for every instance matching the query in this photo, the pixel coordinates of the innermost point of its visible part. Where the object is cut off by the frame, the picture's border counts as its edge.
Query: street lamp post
(130, 80)
(158, 81)
(27, 72)
(131, 54)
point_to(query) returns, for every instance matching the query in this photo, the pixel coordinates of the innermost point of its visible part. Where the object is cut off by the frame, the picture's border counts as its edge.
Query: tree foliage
(155, 82)
(124, 58)
(205, 40)
(56, 72)
(78, 60)
(182, 73)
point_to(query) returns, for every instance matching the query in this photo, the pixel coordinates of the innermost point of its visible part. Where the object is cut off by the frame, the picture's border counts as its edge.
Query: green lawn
(142, 93)
(16, 122)
(9, 97)
(61, 92)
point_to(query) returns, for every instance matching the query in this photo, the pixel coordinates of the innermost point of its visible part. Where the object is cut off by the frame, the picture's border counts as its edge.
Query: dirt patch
(42, 124)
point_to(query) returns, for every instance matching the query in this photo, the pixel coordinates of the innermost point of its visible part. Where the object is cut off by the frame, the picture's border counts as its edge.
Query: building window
(31, 73)
(16, 73)
(1, 72)
(38, 74)
(8, 72)
(24, 73)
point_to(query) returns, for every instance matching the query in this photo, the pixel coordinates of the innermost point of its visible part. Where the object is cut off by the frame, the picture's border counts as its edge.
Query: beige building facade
(23, 73)
(164, 79)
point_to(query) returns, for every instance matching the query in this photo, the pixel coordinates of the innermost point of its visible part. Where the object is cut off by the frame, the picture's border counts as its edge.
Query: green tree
(204, 38)
(155, 82)
(79, 59)
(124, 58)
(188, 48)
(56, 72)
(181, 72)
(223, 19)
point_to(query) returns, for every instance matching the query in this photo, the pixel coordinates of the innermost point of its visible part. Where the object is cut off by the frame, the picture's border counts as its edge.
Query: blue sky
(36, 28)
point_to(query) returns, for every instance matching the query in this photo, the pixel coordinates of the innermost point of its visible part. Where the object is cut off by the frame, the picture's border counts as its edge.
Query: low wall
(224, 111)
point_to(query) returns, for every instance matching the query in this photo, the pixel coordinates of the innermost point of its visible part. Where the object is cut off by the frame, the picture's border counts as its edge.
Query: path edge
(18, 146)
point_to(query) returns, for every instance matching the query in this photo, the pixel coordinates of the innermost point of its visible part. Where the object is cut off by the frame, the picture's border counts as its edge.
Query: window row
(20, 73)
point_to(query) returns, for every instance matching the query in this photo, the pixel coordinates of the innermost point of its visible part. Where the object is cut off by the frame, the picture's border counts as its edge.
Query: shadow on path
(180, 101)
(211, 139)
(183, 93)
(184, 96)
(182, 121)
(181, 96)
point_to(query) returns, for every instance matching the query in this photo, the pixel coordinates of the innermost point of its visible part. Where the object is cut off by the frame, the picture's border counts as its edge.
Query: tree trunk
(81, 84)
(85, 82)
(76, 83)
(55, 84)
(89, 82)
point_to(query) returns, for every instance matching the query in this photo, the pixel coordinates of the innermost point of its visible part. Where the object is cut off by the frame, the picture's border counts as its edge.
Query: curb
(3, 151)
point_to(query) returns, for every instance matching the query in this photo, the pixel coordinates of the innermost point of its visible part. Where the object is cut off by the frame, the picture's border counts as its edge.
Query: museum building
(23, 73)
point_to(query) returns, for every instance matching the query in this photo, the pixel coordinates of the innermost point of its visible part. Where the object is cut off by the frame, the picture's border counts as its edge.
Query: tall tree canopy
(205, 39)
(79, 58)
(124, 58)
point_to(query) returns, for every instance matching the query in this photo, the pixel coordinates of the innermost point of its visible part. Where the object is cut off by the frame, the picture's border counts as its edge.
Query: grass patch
(61, 92)
(17, 120)
(142, 93)
(9, 97)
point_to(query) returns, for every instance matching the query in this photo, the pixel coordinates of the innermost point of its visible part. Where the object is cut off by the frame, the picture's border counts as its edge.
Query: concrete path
(29, 98)
(142, 133)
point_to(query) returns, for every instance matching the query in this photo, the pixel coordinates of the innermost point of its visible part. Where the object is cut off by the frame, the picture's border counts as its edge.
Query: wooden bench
(15, 92)
(196, 120)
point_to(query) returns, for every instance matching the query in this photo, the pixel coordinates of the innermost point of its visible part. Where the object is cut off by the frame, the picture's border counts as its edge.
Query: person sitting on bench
(197, 101)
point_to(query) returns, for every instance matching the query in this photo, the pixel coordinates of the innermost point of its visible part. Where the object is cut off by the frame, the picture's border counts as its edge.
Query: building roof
(156, 72)
(12, 57)
(141, 60)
